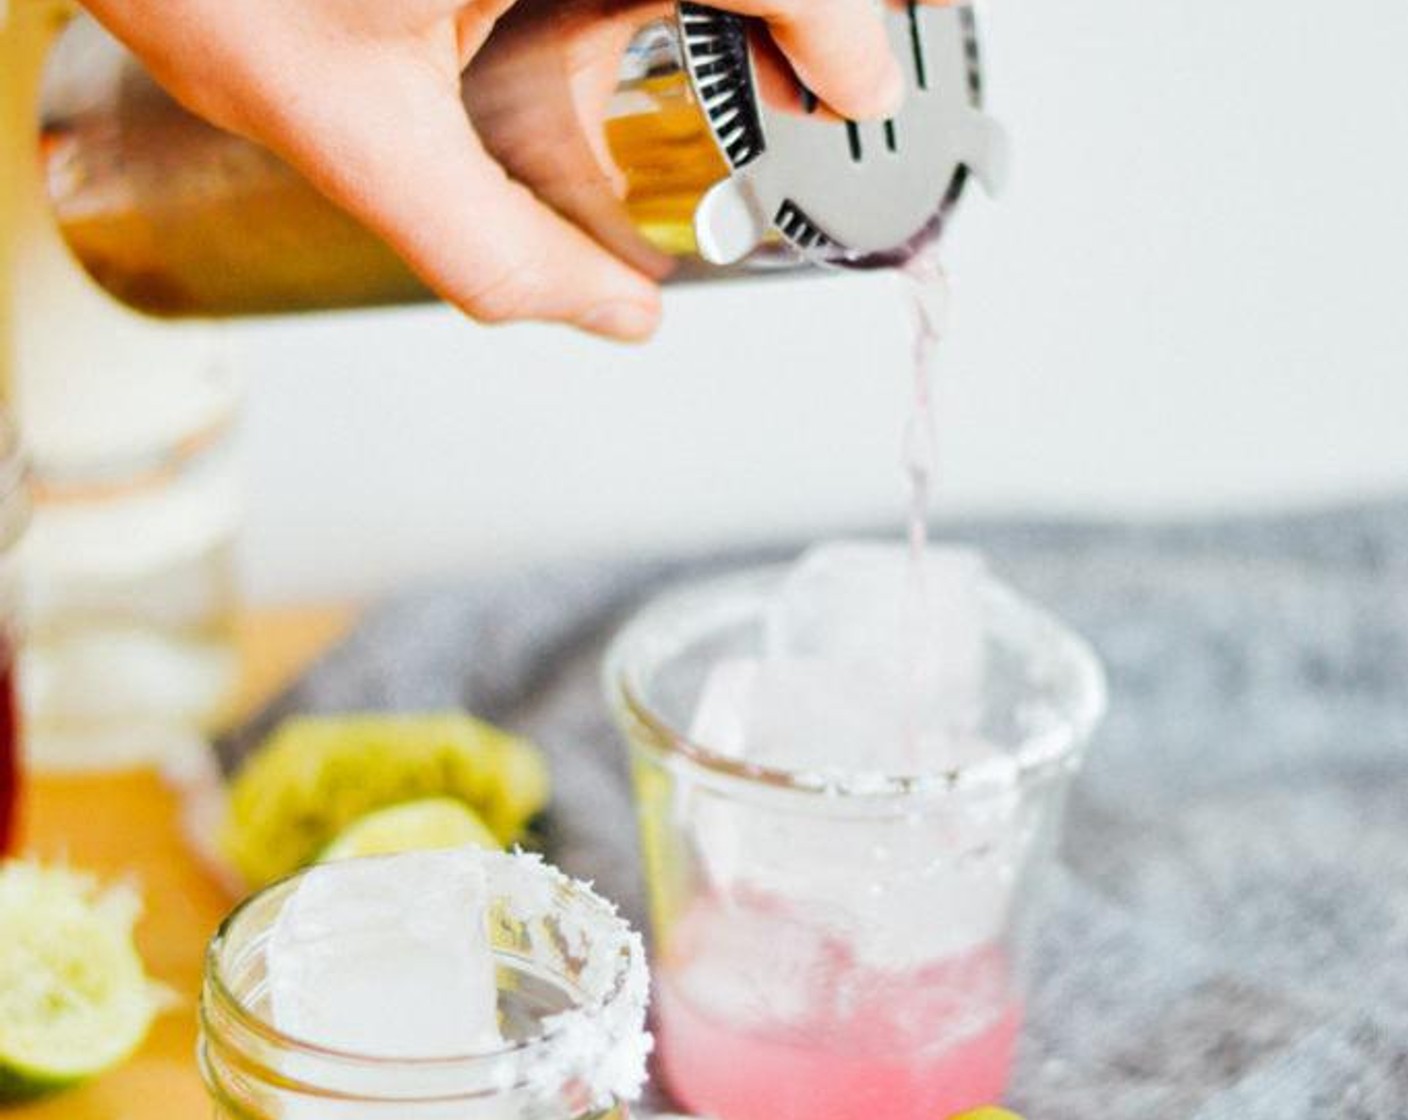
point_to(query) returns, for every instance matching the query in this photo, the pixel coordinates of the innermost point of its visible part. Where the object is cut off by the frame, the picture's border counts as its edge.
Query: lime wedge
(74, 998)
(316, 776)
(436, 822)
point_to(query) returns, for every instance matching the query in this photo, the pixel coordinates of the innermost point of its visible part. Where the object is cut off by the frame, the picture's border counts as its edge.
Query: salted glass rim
(705, 604)
(626, 946)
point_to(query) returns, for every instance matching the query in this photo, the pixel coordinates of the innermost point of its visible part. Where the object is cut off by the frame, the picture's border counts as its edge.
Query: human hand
(365, 100)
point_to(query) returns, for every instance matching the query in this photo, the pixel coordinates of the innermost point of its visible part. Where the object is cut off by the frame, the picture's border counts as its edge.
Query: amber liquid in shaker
(175, 218)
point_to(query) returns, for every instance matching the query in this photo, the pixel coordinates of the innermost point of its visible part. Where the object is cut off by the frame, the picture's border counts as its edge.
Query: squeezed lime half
(425, 825)
(74, 997)
(317, 776)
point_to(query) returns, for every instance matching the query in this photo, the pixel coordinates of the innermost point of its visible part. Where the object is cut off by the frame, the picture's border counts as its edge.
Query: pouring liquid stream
(928, 290)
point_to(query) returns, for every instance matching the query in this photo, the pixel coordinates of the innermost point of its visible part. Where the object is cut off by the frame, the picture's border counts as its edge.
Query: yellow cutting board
(126, 826)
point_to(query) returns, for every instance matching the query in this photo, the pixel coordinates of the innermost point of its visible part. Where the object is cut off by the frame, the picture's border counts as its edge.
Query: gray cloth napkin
(1226, 935)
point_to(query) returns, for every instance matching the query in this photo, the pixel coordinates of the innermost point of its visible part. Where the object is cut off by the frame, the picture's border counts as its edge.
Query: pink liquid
(860, 1044)
(733, 1075)
(928, 287)
(758, 1019)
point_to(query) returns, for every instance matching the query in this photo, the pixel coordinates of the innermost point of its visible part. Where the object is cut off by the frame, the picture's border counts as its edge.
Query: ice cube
(869, 666)
(943, 887)
(720, 721)
(799, 714)
(807, 717)
(832, 718)
(751, 961)
(869, 671)
(388, 958)
(863, 605)
(836, 721)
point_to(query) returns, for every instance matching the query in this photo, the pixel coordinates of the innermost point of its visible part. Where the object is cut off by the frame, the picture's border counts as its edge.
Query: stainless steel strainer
(859, 194)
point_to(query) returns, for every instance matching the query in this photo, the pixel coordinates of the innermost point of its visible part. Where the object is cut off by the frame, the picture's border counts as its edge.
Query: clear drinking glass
(843, 949)
(572, 991)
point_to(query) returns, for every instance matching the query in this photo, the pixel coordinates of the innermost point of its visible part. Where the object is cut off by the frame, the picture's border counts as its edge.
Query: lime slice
(316, 776)
(74, 998)
(436, 822)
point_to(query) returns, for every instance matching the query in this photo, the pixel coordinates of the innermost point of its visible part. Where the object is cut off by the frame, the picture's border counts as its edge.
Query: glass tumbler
(843, 948)
(572, 992)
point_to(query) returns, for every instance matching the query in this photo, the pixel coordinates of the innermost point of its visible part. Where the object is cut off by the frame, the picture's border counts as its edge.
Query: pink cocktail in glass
(856, 1042)
(834, 943)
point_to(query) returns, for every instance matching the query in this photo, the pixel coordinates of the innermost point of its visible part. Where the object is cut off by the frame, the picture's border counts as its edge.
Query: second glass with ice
(849, 775)
(455, 985)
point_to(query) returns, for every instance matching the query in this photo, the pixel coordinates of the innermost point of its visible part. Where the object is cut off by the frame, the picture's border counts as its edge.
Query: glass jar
(572, 992)
(852, 946)
(14, 516)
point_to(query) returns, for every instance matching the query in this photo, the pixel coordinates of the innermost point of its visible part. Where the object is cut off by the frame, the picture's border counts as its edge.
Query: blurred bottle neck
(26, 29)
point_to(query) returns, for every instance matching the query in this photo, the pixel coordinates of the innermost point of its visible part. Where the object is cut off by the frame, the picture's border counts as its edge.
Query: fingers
(839, 50)
(549, 70)
(403, 158)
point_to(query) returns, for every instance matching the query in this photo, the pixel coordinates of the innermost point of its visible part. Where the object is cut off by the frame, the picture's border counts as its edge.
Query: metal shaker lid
(859, 194)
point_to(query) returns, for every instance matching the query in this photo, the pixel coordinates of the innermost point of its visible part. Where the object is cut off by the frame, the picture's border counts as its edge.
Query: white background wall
(1192, 298)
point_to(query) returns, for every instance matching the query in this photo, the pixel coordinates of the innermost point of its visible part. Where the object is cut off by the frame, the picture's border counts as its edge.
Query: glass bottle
(22, 44)
(129, 567)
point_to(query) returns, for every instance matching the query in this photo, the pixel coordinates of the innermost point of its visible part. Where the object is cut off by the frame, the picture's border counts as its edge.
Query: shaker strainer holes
(853, 138)
(718, 51)
(916, 42)
(798, 228)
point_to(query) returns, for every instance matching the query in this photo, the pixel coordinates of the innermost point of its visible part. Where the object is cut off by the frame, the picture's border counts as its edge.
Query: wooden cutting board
(125, 826)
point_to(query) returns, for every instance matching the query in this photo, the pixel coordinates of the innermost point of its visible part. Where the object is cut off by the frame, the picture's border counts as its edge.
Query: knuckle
(507, 295)
(787, 13)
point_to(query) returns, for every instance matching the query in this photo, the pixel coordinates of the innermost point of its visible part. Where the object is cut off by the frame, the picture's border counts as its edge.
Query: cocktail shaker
(690, 154)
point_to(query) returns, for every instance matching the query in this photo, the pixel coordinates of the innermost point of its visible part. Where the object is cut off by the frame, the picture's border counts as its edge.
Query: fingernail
(621, 319)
